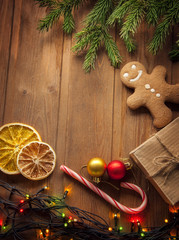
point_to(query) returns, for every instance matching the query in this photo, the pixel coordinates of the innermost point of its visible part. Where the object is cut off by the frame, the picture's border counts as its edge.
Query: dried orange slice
(13, 137)
(36, 160)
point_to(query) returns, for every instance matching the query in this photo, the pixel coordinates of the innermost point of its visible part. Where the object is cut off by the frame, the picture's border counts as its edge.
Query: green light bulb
(120, 228)
(63, 215)
(142, 235)
(65, 224)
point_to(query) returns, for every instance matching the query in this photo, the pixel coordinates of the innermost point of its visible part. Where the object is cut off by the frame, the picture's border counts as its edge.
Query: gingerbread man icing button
(151, 91)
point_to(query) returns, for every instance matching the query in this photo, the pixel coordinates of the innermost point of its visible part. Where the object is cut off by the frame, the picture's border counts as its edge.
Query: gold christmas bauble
(96, 167)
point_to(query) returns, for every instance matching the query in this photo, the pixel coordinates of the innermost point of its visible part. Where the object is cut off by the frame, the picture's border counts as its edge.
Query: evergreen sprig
(91, 38)
(56, 10)
(133, 19)
(112, 50)
(100, 12)
(154, 10)
(46, 3)
(95, 34)
(170, 18)
(174, 53)
(119, 12)
(48, 21)
(127, 15)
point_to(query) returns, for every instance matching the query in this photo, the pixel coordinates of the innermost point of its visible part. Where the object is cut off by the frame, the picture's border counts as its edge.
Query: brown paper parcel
(165, 143)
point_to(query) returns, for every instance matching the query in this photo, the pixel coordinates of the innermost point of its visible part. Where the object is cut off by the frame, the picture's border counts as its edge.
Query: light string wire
(41, 212)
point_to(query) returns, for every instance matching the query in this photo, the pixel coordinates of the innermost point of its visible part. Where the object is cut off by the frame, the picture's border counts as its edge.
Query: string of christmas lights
(50, 217)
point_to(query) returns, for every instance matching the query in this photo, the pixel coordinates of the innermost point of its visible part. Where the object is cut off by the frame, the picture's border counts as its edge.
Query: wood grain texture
(33, 84)
(85, 119)
(6, 18)
(80, 115)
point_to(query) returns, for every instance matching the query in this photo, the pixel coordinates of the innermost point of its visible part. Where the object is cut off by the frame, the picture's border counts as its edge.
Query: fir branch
(56, 9)
(49, 20)
(92, 38)
(174, 53)
(163, 29)
(99, 13)
(112, 50)
(91, 55)
(46, 3)
(129, 42)
(152, 13)
(132, 21)
(128, 14)
(83, 39)
(77, 3)
(119, 12)
(155, 9)
(69, 23)
(164, 5)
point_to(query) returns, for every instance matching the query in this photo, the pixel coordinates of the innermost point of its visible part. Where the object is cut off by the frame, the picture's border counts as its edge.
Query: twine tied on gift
(167, 165)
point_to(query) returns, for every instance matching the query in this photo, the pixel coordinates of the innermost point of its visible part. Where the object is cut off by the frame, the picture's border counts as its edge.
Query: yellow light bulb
(144, 229)
(116, 215)
(68, 189)
(110, 229)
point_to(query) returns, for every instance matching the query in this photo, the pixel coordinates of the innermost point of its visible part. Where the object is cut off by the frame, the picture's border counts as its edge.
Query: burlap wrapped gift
(158, 158)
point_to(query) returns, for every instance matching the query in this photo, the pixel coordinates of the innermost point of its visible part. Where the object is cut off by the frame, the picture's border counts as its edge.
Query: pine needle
(163, 29)
(83, 40)
(119, 13)
(112, 50)
(57, 9)
(132, 21)
(127, 15)
(69, 23)
(152, 14)
(49, 20)
(99, 13)
(46, 3)
(174, 53)
(91, 38)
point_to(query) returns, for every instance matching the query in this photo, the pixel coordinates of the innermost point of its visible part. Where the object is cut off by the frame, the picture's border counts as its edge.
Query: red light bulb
(21, 210)
(135, 219)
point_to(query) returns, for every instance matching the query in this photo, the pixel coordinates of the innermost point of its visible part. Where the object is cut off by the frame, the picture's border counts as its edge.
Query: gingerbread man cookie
(151, 91)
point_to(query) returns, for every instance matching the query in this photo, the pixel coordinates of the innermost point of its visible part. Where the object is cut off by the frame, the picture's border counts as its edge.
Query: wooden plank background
(80, 115)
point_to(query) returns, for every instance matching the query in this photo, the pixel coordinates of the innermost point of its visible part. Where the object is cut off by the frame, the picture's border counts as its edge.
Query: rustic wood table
(80, 115)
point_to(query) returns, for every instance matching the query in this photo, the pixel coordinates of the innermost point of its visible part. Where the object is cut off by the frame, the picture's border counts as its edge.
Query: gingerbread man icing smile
(151, 91)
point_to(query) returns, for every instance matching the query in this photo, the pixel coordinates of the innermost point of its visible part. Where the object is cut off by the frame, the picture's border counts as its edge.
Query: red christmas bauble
(116, 169)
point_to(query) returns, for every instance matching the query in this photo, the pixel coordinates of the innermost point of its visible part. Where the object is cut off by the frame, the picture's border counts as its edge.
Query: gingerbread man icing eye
(126, 75)
(133, 66)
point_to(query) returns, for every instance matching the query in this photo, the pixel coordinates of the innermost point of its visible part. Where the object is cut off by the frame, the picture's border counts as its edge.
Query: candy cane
(106, 196)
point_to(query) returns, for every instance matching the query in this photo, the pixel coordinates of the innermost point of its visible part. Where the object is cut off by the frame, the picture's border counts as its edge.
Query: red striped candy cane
(106, 196)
